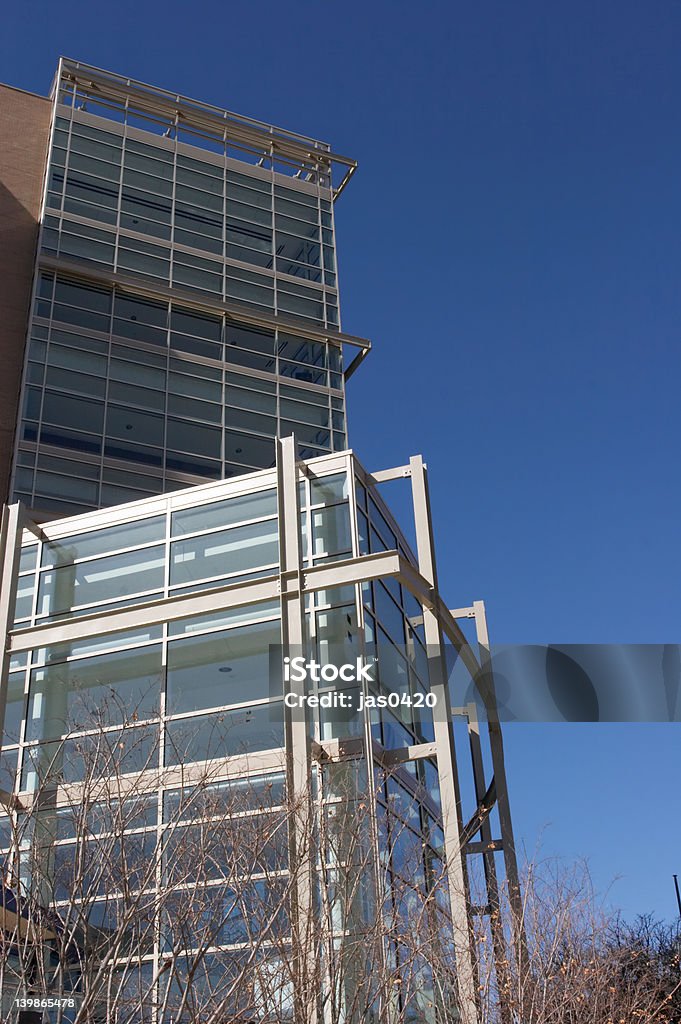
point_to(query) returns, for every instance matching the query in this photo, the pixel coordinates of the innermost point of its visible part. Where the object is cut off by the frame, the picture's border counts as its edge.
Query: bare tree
(171, 895)
(584, 966)
(184, 912)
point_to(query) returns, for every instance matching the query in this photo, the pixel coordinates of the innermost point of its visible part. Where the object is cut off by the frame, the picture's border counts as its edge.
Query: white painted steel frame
(290, 584)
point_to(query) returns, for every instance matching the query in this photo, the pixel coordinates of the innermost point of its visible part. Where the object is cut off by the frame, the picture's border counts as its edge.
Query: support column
(303, 930)
(446, 757)
(10, 552)
(503, 803)
(491, 881)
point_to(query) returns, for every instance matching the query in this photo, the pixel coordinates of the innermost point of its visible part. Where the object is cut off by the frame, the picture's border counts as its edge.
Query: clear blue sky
(511, 244)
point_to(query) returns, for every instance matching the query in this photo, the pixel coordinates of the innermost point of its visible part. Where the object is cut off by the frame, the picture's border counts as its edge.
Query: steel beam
(11, 527)
(303, 928)
(503, 803)
(232, 595)
(446, 756)
(489, 867)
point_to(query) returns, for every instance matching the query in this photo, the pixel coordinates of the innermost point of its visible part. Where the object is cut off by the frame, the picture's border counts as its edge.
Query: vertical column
(503, 803)
(446, 757)
(10, 553)
(306, 968)
(491, 882)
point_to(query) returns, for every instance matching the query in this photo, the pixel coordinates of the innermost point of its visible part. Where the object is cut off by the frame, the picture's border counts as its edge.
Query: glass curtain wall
(140, 376)
(205, 687)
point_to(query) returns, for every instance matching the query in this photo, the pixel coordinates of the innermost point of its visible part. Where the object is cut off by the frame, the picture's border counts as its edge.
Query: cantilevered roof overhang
(117, 96)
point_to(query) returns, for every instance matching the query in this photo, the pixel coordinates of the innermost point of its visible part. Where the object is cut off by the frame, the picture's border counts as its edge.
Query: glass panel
(336, 633)
(224, 513)
(250, 338)
(8, 769)
(229, 732)
(188, 322)
(338, 721)
(96, 299)
(134, 426)
(301, 350)
(69, 549)
(182, 384)
(312, 414)
(244, 399)
(379, 521)
(192, 408)
(230, 617)
(331, 530)
(100, 580)
(121, 751)
(94, 692)
(14, 710)
(64, 411)
(224, 553)
(245, 420)
(131, 394)
(240, 794)
(231, 667)
(75, 358)
(388, 614)
(128, 307)
(51, 485)
(192, 437)
(247, 450)
(28, 558)
(24, 601)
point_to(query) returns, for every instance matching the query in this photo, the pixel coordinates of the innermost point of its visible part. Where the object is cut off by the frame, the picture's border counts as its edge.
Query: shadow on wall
(18, 234)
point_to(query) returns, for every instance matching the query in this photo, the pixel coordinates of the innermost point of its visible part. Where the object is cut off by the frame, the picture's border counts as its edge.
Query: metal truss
(175, 113)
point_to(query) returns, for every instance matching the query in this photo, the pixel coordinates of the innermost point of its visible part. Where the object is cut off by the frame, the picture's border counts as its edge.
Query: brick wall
(24, 128)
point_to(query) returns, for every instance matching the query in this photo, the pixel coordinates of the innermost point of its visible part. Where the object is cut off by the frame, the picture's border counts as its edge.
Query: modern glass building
(184, 515)
(185, 305)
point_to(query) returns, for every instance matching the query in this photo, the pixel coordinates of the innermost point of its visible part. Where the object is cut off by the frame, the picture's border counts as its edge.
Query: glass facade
(185, 312)
(121, 200)
(198, 541)
(156, 782)
(189, 690)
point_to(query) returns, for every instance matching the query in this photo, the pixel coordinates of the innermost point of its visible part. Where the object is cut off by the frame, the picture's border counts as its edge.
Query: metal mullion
(224, 253)
(223, 321)
(109, 352)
